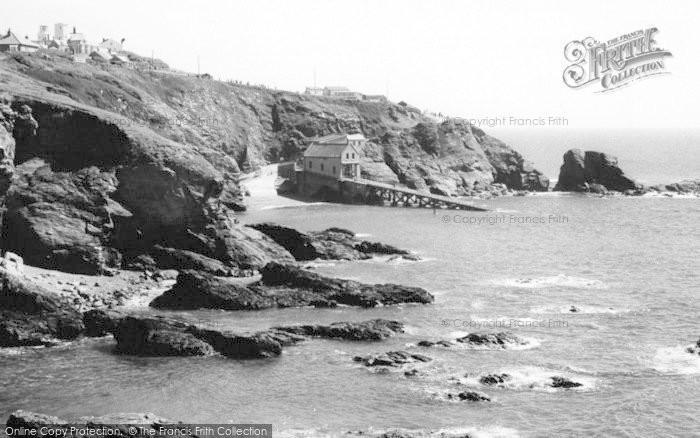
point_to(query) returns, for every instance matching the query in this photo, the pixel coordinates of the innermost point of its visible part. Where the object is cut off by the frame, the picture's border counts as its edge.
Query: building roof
(121, 58)
(356, 137)
(337, 88)
(329, 146)
(76, 37)
(10, 39)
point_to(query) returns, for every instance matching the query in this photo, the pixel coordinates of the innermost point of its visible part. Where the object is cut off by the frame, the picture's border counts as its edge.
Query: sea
(630, 266)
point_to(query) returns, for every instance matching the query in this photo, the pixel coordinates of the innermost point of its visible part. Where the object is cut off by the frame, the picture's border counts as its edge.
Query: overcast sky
(471, 59)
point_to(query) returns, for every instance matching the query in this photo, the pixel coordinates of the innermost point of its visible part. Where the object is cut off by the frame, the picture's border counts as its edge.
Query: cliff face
(99, 164)
(238, 127)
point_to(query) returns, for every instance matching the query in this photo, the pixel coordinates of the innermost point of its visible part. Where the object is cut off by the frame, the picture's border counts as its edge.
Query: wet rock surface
(487, 340)
(391, 359)
(330, 244)
(470, 396)
(282, 286)
(118, 424)
(373, 330)
(163, 336)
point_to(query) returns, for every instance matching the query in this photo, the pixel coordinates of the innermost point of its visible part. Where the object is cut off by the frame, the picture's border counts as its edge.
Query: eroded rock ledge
(330, 244)
(160, 336)
(282, 286)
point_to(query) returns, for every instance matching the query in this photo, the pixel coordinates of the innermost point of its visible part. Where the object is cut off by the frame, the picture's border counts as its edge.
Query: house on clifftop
(335, 156)
(12, 43)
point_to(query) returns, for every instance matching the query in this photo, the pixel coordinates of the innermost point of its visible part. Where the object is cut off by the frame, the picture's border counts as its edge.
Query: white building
(60, 32)
(335, 156)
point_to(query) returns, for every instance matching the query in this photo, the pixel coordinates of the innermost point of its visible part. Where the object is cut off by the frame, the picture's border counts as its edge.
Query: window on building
(333, 170)
(309, 164)
(353, 156)
(321, 166)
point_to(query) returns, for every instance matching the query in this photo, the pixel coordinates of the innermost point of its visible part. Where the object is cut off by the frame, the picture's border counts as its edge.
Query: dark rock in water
(469, 396)
(435, 344)
(373, 330)
(180, 259)
(195, 290)
(157, 337)
(286, 279)
(563, 382)
(494, 379)
(150, 425)
(391, 359)
(33, 316)
(167, 337)
(379, 248)
(594, 172)
(99, 322)
(330, 244)
(574, 309)
(161, 336)
(500, 339)
(695, 349)
(412, 373)
(282, 286)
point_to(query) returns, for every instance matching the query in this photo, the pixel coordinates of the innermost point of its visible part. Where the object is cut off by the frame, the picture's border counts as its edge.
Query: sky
(471, 59)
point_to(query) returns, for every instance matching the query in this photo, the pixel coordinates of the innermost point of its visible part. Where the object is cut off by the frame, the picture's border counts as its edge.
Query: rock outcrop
(472, 396)
(33, 316)
(695, 349)
(330, 244)
(498, 340)
(372, 330)
(234, 127)
(391, 359)
(162, 336)
(281, 286)
(594, 172)
(25, 423)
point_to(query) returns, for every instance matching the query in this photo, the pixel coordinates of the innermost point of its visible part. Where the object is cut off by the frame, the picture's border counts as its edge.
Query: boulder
(472, 396)
(33, 316)
(391, 359)
(498, 340)
(373, 330)
(181, 259)
(494, 379)
(563, 382)
(196, 290)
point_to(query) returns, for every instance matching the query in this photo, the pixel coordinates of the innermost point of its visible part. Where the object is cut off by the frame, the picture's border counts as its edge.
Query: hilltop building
(344, 93)
(12, 43)
(314, 91)
(60, 32)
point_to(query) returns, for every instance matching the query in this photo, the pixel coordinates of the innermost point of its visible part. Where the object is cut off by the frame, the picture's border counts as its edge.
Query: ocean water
(651, 156)
(630, 265)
